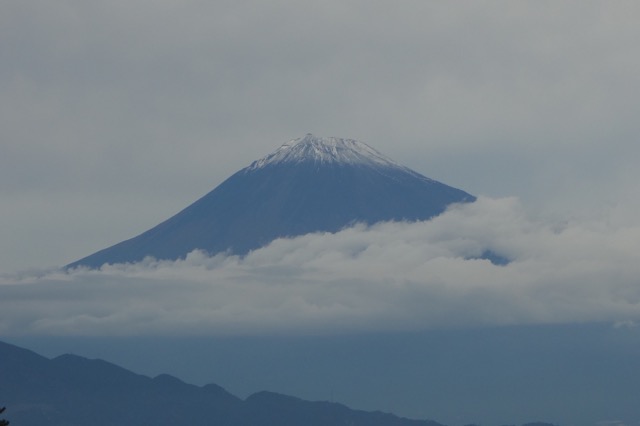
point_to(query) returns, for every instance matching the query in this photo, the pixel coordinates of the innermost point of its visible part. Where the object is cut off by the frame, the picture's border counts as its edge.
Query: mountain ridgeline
(70, 390)
(74, 391)
(307, 185)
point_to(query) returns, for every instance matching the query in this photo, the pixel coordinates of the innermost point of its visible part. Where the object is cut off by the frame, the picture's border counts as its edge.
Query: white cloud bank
(391, 276)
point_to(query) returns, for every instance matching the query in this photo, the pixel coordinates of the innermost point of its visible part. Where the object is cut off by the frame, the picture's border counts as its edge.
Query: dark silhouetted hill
(74, 391)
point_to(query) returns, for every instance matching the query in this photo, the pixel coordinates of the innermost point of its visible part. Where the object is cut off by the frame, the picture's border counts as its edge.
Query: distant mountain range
(74, 391)
(70, 390)
(310, 184)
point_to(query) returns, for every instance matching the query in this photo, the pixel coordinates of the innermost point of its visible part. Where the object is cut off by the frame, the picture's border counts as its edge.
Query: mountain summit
(309, 184)
(312, 149)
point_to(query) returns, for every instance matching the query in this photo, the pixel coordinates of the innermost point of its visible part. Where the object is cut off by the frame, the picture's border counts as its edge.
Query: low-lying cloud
(390, 276)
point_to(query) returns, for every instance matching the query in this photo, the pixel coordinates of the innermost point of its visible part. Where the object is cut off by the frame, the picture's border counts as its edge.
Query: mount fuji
(310, 184)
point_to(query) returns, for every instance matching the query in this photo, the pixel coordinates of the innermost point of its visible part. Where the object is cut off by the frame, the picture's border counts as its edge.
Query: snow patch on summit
(311, 148)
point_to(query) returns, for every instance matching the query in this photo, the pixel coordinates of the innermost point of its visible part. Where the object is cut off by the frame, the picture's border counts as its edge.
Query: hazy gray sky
(116, 115)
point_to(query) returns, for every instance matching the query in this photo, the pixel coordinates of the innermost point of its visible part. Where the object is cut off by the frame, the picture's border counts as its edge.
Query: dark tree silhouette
(3, 422)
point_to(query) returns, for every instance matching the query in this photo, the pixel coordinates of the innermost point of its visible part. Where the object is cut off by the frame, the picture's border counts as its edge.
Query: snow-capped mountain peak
(325, 150)
(307, 185)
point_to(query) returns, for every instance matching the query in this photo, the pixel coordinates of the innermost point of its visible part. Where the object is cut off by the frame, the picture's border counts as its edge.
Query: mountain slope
(270, 408)
(73, 391)
(308, 185)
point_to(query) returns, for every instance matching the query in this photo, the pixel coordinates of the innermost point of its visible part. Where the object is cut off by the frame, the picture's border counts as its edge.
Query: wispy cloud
(391, 276)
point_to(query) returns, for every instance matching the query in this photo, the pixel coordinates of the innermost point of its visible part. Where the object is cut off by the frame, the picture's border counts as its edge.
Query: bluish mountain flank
(310, 184)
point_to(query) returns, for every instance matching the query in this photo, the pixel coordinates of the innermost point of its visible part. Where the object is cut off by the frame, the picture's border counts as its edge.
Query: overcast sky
(116, 115)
